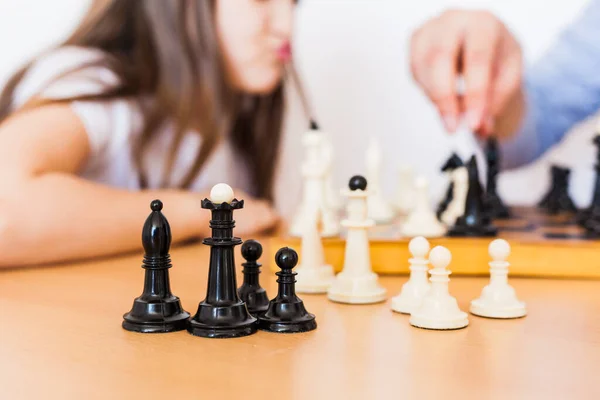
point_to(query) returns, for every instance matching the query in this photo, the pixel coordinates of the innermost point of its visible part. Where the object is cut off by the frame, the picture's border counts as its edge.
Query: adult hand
(478, 46)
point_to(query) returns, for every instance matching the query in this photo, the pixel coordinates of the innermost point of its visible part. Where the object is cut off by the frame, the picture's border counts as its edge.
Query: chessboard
(542, 246)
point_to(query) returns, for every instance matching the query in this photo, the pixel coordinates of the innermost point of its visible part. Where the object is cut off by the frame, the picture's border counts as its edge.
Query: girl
(147, 99)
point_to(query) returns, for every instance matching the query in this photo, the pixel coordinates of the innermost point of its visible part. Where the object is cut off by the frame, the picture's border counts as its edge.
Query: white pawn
(439, 310)
(405, 193)
(314, 275)
(422, 221)
(357, 283)
(498, 299)
(414, 290)
(379, 209)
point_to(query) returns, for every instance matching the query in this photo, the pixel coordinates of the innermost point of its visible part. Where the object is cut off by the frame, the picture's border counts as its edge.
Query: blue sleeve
(562, 89)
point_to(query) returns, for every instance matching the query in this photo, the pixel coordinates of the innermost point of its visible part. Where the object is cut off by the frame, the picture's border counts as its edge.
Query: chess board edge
(529, 258)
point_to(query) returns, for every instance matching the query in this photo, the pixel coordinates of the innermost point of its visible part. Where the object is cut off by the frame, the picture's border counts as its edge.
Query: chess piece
(422, 221)
(439, 310)
(286, 312)
(584, 215)
(475, 221)
(157, 309)
(332, 201)
(557, 199)
(314, 171)
(405, 194)
(460, 188)
(222, 314)
(493, 203)
(314, 275)
(357, 283)
(451, 164)
(498, 299)
(251, 292)
(414, 290)
(379, 209)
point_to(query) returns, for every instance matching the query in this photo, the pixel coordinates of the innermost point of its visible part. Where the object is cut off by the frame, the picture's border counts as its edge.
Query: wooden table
(61, 338)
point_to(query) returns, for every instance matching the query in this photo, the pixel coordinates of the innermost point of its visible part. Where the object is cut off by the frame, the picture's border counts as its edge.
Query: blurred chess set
(543, 238)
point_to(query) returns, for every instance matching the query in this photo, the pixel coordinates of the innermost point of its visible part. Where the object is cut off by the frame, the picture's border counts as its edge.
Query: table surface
(61, 338)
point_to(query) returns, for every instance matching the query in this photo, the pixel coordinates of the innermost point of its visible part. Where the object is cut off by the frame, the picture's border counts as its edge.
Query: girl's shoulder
(65, 72)
(68, 73)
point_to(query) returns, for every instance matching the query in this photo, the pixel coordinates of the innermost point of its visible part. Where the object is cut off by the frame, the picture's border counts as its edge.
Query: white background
(353, 55)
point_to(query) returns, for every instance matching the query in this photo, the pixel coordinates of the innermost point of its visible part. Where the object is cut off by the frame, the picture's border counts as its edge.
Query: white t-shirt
(113, 126)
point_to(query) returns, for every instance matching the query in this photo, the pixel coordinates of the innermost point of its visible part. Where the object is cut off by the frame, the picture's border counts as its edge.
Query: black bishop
(157, 309)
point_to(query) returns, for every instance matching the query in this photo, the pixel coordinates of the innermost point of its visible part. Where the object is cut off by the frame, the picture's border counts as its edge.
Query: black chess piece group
(475, 221)
(481, 207)
(227, 311)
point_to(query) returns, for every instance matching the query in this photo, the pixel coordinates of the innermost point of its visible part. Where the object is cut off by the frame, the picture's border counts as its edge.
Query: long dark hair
(167, 51)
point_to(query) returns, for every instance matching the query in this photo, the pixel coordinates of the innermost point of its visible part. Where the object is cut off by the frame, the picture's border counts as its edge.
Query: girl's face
(254, 36)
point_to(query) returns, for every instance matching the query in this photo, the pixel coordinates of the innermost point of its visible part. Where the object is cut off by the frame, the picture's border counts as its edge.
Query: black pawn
(584, 215)
(493, 203)
(251, 292)
(222, 314)
(156, 310)
(475, 222)
(557, 199)
(286, 312)
(451, 164)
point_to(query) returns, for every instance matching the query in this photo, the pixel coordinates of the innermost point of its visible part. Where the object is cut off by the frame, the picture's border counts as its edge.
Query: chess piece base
(156, 317)
(314, 280)
(258, 310)
(256, 300)
(473, 231)
(406, 302)
(457, 320)
(429, 228)
(278, 326)
(356, 289)
(222, 322)
(497, 209)
(379, 210)
(174, 325)
(515, 310)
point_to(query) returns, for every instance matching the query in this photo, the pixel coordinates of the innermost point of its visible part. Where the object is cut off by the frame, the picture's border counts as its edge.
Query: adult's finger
(509, 75)
(481, 46)
(435, 60)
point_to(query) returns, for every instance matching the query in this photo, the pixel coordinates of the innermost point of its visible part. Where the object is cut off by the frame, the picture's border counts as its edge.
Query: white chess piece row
(412, 197)
(430, 304)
